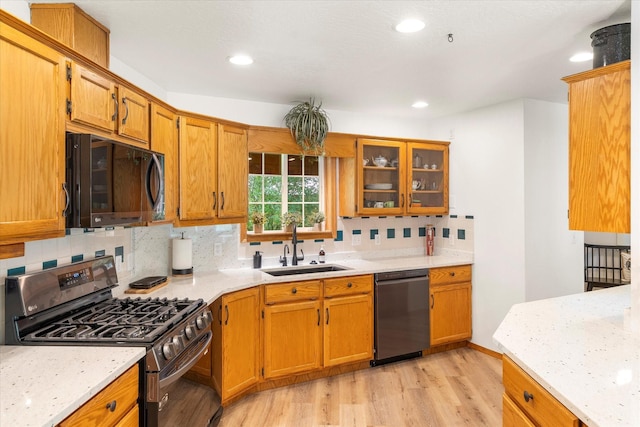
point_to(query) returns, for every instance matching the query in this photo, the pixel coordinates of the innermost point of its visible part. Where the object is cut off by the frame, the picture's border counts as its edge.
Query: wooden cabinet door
(93, 99)
(599, 149)
(133, 116)
(164, 139)
(292, 337)
(32, 138)
(233, 153)
(348, 329)
(428, 178)
(450, 314)
(198, 194)
(239, 316)
(512, 416)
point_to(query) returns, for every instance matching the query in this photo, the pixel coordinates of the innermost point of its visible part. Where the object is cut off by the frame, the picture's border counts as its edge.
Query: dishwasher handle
(424, 279)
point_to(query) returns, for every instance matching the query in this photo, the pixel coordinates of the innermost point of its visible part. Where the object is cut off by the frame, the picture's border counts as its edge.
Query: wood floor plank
(461, 387)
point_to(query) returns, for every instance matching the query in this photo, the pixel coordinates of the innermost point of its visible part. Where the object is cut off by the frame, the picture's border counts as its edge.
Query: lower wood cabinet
(450, 305)
(236, 342)
(115, 405)
(527, 403)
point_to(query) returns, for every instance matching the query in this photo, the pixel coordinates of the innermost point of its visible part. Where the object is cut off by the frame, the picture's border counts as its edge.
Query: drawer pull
(111, 406)
(452, 273)
(294, 291)
(349, 285)
(527, 396)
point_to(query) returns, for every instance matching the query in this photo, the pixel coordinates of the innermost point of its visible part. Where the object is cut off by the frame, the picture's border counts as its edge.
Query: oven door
(172, 400)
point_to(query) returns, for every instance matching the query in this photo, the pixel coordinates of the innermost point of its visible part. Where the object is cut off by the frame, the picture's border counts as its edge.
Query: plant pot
(288, 228)
(318, 226)
(258, 228)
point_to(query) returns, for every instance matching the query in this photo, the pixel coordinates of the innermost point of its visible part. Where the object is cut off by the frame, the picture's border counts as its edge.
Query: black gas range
(74, 305)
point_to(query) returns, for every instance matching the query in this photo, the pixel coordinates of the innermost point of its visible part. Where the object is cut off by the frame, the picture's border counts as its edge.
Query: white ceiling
(346, 53)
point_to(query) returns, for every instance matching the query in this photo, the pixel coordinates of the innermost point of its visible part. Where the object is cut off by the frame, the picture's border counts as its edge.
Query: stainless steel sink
(303, 269)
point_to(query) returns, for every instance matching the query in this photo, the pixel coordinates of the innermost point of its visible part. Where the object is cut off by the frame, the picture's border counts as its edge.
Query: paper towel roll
(182, 254)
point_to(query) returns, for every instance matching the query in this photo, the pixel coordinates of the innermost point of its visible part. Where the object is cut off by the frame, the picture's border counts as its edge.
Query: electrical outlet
(356, 240)
(377, 239)
(217, 249)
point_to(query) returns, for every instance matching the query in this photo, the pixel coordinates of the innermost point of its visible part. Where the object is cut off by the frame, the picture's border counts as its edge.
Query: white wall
(553, 253)
(18, 8)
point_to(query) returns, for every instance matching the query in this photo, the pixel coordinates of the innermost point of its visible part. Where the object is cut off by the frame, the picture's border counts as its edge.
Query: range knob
(204, 320)
(189, 332)
(178, 343)
(168, 351)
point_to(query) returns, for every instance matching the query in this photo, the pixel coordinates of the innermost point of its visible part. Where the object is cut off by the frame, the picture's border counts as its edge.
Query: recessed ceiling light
(581, 57)
(420, 104)
(409, 26)
(241, 60)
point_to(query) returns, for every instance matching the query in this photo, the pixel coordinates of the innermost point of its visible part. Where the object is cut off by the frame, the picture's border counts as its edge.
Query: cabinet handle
(327, 315)
(433, 301)
(114, 117)
(527, 396)
(318, 317)
(402, 204)
(294, 291)
(452, 273)
(226, 309)
(220, 314)
(66, 193)
(215, 201)
(349, 285)
(222, 204)
(126, 113)
(410, 199)
(111, 406)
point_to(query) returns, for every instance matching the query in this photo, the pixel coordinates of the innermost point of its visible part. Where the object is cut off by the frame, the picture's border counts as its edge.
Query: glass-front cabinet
(428, 178)
(401, 178)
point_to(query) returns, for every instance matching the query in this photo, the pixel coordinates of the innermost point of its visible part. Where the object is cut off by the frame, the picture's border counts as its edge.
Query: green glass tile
(461, 234)
(77, 258)
(49, 264)
(406, 232)
(391, 233)
(445, 233)
(372, 233)
(422, 231)
(16, 271)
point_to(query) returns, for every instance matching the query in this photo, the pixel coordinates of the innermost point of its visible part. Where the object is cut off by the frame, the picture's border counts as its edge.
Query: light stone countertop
(209, 286)
(580, 348)
(42, 385)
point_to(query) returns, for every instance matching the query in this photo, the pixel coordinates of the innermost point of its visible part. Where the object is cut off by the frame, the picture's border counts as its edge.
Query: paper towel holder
(182, 271)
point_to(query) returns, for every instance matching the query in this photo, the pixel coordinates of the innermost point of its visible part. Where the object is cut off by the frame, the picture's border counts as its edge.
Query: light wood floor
(461, 387)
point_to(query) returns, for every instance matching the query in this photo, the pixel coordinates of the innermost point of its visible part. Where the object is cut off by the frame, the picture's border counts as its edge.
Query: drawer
(446, 275)
(512, 416)
(348, 286)
(131, 419)
(123, 391)
(293, 291)
(543, 409)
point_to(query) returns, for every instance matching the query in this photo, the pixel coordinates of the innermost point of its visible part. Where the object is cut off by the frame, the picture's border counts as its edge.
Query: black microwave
(110, 183)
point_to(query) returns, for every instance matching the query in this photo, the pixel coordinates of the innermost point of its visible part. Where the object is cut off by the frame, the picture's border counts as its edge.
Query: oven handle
(175, 376)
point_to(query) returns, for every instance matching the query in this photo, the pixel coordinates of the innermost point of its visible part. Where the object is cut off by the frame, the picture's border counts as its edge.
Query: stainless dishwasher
(401, 314)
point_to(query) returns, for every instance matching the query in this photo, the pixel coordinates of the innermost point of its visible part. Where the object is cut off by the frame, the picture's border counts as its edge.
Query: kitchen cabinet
(233, 152)
(292, 328)
(305, 332)
(599, 149)
(32, 138)
(115, 405)
(395, 178)
(527, 403)
(198, 173)
(450, 305)
(164, 139)
(97, 102)
(348, 322)
(236, 342)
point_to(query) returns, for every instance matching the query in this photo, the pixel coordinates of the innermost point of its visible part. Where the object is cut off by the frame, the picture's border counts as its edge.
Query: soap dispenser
(321, 255)
(257, 260)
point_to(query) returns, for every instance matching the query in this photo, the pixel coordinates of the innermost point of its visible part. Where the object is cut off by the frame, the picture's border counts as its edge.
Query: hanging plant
(309, 125)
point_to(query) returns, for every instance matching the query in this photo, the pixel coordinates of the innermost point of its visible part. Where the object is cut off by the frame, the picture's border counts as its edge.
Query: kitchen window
(280, 183)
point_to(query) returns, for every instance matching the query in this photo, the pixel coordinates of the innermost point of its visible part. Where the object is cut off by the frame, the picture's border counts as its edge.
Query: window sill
(272, 236)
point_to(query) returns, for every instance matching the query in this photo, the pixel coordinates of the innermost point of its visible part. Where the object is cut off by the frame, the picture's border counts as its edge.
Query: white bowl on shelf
(379, 186)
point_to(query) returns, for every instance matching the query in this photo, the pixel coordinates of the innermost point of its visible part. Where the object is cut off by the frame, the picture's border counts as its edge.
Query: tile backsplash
(142, 251)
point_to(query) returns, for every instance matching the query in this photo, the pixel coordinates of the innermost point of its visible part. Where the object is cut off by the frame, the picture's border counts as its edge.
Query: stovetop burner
(130, 320)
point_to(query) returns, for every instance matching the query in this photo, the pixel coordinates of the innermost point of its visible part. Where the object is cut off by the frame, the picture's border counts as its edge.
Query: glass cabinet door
(381, 178)
(428, 179)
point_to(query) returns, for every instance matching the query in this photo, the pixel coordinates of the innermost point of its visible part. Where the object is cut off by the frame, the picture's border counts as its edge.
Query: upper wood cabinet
(450, 305)
(403, 183)
(98, 102)
(32, 138)
(599, 149)
(164, 139)
(233, 163)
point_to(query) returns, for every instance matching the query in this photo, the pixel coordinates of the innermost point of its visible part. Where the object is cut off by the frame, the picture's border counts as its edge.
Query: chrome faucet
(283, 259)
(294, 241)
